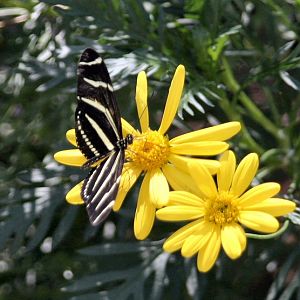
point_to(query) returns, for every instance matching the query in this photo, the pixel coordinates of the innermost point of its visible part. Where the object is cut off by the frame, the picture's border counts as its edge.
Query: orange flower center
(149, 150)
(222, 210)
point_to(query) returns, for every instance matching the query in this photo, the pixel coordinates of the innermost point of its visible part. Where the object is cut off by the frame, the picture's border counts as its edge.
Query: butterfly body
(99, 136)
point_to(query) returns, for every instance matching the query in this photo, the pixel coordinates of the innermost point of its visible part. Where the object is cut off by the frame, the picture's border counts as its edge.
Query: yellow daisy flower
(220, 212)
(161, 160)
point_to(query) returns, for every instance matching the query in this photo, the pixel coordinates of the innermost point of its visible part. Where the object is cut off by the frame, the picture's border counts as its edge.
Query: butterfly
(99, 136)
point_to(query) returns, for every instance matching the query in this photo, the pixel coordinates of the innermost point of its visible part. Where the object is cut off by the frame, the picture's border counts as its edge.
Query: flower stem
(271, 235)
(253, 110)
(232, 114)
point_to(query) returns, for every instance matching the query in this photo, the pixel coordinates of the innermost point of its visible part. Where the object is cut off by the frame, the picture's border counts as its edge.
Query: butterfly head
(123, 143)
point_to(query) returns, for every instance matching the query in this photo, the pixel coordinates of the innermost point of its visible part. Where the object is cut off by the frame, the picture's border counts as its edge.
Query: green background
(242, 61)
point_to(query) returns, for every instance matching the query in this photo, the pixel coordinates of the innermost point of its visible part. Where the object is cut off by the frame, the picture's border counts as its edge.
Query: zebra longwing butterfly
(99, 136)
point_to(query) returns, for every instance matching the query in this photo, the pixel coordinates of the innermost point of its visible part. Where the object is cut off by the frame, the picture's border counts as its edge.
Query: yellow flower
(220, 212)
(161, 160)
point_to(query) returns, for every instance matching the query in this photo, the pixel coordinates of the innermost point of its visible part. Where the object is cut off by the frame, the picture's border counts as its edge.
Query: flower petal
(179, 213)
(199, 148)
(72, 157)
(204, 181)
(226, 171)
(274, 206)
(141, 100)
(257, 194)
(127, 128)
(145, 211)
(181, 162)
(129, 176)
(220, 132)
(175, 241)
(159, 188)
(244, 174)
(208, 255)
(197, 239)
(71, 137)
(233, 240)
(184, 198)
(173, 99)
(74, 195)
(259, 221)
(179, 180)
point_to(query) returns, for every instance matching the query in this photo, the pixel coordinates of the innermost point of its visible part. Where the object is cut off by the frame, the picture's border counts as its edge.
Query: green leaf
(119, 248)
(290, 80)
(97, 280)
(64, 226)
(43, 225)
(281, 278)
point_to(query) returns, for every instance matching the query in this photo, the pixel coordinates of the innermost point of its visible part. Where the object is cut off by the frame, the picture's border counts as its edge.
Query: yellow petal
(145, 211)
(208, 255)
(74, 195)
(141, 100)
(72, 157)
(180, 213)
(258, 193)
(233, 240)
(127, 128)
(226, 171)
(244, 174)
(181, 162)
(159, 188)
(240, 233)
(184, 198)
(175, 241)
(199, 148)
(274, 206)
(220, 132)
(197, 239)
(179, 180)
(173, 99)
(129, 176)
(259, 221)
(71, 137)
(204, 181)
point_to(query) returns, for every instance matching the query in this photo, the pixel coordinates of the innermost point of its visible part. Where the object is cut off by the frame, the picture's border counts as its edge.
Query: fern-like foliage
(242, 61)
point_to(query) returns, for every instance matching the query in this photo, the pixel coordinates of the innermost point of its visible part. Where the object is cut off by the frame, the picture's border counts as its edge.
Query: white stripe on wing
(100, 133)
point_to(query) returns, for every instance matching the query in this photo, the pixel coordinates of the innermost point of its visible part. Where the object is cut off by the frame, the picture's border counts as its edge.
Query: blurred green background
(242, 60)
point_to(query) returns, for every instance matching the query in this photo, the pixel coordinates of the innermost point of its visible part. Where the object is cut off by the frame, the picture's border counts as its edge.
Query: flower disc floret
(149, 150)
(221, 210)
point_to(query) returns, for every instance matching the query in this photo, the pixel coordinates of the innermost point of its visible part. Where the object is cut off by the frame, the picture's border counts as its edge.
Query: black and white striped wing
(97, 117)
(100, 188)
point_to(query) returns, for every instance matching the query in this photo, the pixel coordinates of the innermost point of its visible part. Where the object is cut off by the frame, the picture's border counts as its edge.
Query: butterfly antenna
(145, 107)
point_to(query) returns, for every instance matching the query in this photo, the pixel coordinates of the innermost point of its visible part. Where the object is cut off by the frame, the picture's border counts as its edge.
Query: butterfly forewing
(97, 117)
(98, 134)
(92, 73)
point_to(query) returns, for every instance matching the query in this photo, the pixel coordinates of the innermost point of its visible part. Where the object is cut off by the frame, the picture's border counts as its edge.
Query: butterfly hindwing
(100, 188)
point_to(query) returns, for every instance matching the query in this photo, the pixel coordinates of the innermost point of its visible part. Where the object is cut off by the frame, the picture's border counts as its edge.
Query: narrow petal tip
(72, 157)
(71, 137)
(74, 195)
(236, 125)
(180, 68)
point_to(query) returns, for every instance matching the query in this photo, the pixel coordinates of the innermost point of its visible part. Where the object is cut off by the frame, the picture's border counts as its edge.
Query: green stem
(253, 110)
(278, 11)
(271, 235)
(232, 114)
